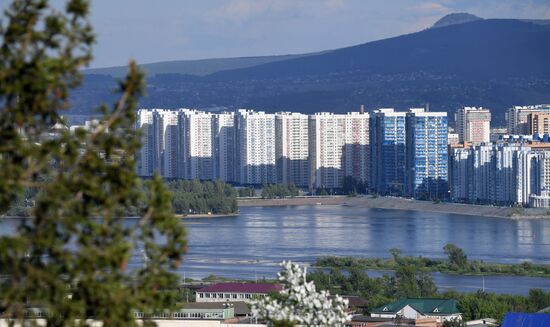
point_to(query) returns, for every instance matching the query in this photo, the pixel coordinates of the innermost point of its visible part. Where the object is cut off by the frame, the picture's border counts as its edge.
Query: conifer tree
(70, 258)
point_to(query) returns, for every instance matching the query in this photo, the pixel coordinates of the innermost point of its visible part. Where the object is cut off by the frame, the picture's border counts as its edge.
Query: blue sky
(151, 31)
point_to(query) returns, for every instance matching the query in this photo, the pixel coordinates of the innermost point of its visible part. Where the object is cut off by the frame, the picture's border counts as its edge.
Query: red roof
(242, 288)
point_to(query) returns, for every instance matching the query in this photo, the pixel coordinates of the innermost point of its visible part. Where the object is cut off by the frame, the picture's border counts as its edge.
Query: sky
(161, 30)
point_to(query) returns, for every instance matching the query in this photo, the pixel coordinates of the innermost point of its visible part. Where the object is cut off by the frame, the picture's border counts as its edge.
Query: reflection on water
(252, 245)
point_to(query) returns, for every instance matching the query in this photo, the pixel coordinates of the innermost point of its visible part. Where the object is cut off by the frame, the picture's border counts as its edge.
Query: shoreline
(206, 215)
(382, 202)
(179, 216)
(395, 203)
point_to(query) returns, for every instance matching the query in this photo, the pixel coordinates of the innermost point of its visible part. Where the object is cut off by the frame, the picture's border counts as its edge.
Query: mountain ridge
(494, 63)
(455, 18)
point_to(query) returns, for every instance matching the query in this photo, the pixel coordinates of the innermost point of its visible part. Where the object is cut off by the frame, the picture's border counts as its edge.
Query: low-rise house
(230, 292)
(415, 308)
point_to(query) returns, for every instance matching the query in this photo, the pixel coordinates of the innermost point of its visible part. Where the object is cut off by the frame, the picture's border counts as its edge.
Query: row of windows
(227, 295)
(180, 315)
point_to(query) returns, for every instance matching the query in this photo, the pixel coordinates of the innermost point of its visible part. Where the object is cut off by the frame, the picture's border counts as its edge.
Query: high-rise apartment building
(539, 123)
(165, 125)
(195, 140)
(460, 171)
(426, 168)
(387, 139)
(356, 153)
(145, 162)
(540, 195)
(255, 131)
(159, 142)
(339, 147)
(292, 148)
(326, 143)
(473, 124)
(518, 118)
(501, 173)
(224, 146)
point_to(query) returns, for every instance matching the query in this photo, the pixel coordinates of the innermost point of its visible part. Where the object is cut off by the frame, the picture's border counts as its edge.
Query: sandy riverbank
(405, 204)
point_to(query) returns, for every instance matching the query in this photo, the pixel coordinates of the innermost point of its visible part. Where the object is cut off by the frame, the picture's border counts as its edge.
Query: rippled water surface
(252, 244)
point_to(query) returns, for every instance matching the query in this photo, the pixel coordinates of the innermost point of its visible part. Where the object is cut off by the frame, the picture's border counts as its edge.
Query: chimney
(362, 110)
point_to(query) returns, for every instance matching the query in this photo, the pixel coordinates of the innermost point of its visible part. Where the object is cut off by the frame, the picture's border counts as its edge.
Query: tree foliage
(352, 186)
(279, 191)
(457, 263)
(456, 255)
(70, 258)
(204, 197)
(246, 192)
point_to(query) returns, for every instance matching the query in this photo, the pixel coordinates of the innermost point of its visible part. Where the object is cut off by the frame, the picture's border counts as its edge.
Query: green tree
(64, 259)
(456, 255)
(406, 283)
(426, 284)
(396, 254)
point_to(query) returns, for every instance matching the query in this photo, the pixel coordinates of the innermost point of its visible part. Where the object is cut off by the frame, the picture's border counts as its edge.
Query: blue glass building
(387, 139)
(426, 168)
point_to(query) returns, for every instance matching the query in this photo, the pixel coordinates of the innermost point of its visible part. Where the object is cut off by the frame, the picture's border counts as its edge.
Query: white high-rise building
(292, 148)
(196, 144)
(165, 129)
(540, 192)
(159, 142)
(326, 142)
(473, 124)
(338, 147)
(502, 173)
(145, 161)
(255, 131)
(224, 146)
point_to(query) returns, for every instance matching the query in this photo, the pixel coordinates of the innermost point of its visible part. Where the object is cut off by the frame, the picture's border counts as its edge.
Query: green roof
(424, 306)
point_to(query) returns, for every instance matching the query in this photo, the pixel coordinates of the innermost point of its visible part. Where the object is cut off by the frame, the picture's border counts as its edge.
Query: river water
(251, 245)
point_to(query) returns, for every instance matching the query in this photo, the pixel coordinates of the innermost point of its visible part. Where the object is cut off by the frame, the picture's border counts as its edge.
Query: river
(251, 245)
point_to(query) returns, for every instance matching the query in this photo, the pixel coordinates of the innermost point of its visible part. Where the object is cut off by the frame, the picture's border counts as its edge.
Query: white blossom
(301, 303)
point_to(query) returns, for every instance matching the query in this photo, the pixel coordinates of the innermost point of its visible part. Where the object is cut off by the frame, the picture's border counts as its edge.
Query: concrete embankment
(404, 204)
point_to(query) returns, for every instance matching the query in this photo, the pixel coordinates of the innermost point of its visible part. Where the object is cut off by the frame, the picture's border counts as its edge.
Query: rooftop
(241, 288)
(425, 306)
(526, 319)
